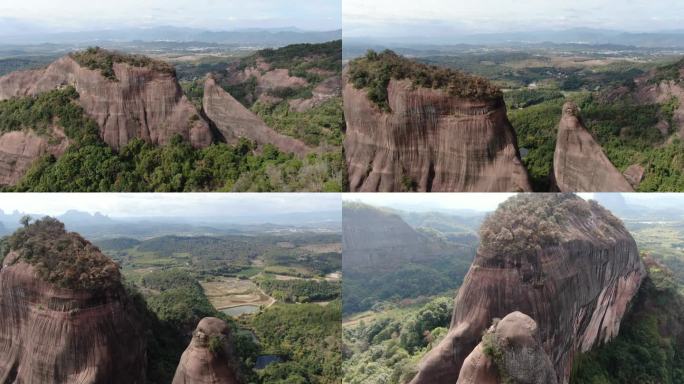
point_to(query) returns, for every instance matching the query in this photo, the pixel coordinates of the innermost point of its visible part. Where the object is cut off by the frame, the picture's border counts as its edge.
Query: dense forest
(388, 348)
(300, 290)
(308, 336)
(374, 71)
(230, 255)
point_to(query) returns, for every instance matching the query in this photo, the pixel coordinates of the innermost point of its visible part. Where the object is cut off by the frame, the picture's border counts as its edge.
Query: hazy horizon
(442, 18)
(171, 205)
(480, 202)
(45, 16)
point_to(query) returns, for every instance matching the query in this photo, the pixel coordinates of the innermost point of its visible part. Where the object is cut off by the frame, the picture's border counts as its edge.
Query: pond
(240, 310)
(264, 360)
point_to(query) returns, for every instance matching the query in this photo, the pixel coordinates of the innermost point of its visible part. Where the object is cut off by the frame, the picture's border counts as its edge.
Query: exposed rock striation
(140, 102)
(568, 264)
(208, 358)
(53, 334)
(510, 350)
(19, 149)
(233, 121)
(579, 164)
(430, 140)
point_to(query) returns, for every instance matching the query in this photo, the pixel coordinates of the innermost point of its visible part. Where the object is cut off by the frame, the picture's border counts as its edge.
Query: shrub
(64, 258)
(96, 58)
(374, 71)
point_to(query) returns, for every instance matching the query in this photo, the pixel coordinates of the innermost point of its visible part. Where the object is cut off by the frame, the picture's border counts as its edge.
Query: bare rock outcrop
(19, 149)
(233, 121)
(510, 351)
(140, 102)
(50, 333)
(430, 141)
(568, 264)
(208, 358)
(579, 164)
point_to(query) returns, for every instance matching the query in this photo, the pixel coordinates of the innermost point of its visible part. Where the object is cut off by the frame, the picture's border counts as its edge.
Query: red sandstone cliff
(233, 121)
(19, 149)
(141, 102)
(568, 264)
(579, 164)
(50, 334)
(511, 347)
(207, 360)
(432, 140)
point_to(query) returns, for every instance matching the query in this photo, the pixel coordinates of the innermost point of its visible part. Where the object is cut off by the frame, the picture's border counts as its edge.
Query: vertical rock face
(579, 164)
(207, 360)
(430, 141)
(568, 264)
(19, 149)
(510, 349)
(140, 103)
(51, 334)
(233, 121)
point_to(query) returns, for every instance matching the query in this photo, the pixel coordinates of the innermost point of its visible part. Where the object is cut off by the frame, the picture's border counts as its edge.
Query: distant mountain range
(97, 225)
(253, 36)
(666, 39)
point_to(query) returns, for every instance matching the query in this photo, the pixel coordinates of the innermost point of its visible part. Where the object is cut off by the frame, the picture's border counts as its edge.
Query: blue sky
(172, 204)
(390, 18)
(78, 15)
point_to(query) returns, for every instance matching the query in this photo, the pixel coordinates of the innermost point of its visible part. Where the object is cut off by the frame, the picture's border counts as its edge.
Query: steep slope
(377, 239)
(208, 358)
(128, 96)
(233, 121)
(579, 164)
(19, 149)
(66, 318)
(415, 127)
(510, 351)
(663, 85)
(568, 264)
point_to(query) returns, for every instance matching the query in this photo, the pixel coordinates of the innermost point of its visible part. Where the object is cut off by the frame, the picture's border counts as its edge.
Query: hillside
(386, 259)
(89, 122)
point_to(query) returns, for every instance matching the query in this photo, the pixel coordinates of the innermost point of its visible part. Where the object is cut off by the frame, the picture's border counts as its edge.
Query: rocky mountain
(579, 164)
(233, 121)
(514, 344)
(568, 264)
(66, 316)
(416, 127)
(128, 96)
(376, 239)
(208, 358)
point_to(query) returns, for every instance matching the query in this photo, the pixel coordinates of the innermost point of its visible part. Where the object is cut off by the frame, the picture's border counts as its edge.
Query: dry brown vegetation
(63, 258)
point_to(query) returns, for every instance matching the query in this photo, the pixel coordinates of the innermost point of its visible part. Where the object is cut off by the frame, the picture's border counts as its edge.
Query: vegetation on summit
(97, 58)
(374, 71)
(63, 258)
